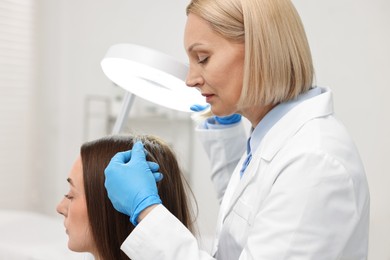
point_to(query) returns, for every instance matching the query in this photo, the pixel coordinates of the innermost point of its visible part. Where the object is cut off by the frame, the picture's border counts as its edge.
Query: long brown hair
(110, 227)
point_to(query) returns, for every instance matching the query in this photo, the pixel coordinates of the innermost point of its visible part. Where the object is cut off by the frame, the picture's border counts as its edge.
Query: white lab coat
(304, 195)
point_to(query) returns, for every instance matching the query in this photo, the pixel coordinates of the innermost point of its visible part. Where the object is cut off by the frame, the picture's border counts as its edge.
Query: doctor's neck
(256, 114)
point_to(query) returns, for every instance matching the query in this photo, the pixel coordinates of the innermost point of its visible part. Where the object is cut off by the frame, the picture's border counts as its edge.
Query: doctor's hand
(131, 182)
(223, 120)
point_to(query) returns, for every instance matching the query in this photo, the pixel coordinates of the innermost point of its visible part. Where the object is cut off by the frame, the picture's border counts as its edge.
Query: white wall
(349, 40)
(17, 60)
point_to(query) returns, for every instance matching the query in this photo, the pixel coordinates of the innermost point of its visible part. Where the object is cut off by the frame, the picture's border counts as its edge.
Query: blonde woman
(296, 189)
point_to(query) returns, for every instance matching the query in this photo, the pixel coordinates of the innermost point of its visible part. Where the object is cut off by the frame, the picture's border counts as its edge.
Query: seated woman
(91, 222)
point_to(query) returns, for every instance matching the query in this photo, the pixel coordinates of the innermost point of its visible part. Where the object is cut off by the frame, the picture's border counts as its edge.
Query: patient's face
(74, 208)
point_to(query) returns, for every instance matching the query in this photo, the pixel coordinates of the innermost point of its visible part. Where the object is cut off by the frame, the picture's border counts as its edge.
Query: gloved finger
(158, 176)
(153, 166)
(121, 157)
(198, 107)
(138, 152)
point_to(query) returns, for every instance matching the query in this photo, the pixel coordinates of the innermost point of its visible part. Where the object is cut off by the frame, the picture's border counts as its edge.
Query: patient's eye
(69, 197)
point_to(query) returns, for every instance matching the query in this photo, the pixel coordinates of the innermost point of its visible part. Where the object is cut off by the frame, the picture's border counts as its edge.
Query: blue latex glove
(223, 120)
(130, 182)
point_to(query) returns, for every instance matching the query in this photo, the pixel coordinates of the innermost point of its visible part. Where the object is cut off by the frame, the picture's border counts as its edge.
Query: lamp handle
(128, 101)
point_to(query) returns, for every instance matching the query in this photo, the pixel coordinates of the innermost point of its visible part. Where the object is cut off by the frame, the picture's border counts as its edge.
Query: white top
(303, 196)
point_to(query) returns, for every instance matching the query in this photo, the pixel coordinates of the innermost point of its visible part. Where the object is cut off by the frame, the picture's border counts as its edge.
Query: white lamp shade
(151, 75)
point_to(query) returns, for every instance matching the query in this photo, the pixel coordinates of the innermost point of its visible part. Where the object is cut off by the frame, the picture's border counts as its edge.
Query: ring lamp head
(151, 75)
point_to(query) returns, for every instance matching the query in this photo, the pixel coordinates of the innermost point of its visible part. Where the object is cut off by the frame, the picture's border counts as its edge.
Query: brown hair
(109, 227)
(278, 64)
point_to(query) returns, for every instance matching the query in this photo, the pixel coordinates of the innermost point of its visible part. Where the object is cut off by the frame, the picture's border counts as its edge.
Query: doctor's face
(74, 208)
(216, 66)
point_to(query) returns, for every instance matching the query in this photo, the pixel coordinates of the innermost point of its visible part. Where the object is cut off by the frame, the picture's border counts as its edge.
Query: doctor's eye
(203, 60)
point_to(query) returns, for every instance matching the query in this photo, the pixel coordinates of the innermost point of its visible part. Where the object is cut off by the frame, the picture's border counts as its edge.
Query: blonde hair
(278, 64)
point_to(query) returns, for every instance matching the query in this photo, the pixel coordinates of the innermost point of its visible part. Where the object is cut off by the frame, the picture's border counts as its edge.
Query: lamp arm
(128, 101)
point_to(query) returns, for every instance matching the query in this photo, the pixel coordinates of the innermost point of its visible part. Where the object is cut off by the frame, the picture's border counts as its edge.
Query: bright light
(151, 75)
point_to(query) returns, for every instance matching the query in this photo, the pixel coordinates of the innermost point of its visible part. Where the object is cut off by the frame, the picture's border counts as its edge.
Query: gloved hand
(130, 182)
(223, 120)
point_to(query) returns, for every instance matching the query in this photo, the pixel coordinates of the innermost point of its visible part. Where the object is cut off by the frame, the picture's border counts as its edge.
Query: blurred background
(54, 95)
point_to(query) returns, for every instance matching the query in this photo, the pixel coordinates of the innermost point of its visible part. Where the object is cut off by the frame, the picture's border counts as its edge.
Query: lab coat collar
(318, 106)
(315, 107)
(275, 115)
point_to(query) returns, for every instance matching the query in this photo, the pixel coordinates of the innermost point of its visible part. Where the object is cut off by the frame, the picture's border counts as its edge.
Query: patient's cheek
(82, 241)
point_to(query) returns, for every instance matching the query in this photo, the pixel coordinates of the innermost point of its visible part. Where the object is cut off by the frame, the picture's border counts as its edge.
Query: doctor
(296, 189)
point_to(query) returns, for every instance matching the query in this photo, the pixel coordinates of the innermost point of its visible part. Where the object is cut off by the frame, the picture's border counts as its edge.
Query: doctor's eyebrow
(192, 47)
(70, 181)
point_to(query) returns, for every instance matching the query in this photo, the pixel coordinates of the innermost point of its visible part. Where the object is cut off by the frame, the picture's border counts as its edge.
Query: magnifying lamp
(151, 75)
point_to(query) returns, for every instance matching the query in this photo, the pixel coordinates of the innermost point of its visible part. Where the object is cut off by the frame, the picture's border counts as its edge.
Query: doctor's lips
(207, 96)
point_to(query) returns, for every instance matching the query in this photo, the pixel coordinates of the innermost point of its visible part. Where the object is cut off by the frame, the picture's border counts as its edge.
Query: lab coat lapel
(274, 140)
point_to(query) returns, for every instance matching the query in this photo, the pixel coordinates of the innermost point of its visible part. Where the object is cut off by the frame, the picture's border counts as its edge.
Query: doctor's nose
(194, 79)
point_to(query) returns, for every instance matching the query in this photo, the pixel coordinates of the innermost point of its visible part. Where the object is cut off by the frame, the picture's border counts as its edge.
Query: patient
(91, 222)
